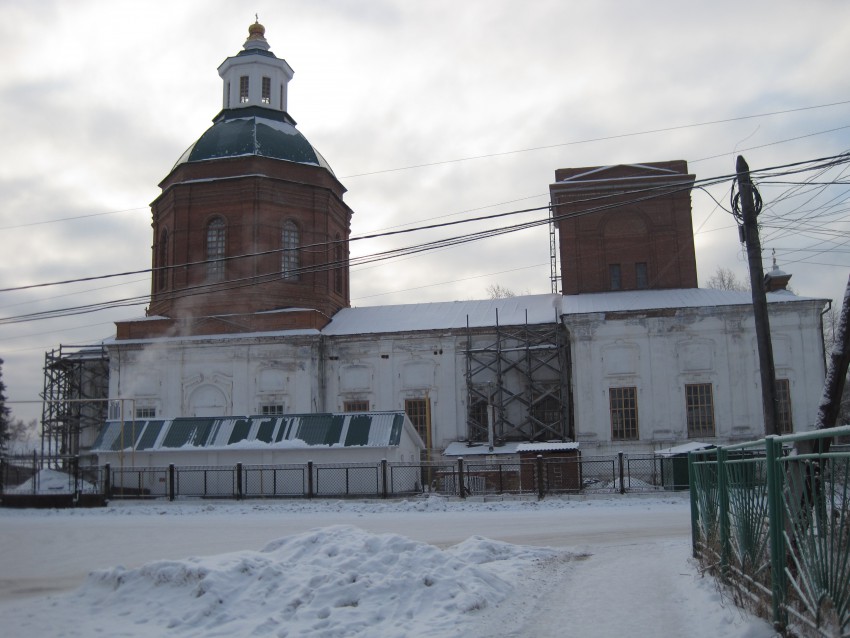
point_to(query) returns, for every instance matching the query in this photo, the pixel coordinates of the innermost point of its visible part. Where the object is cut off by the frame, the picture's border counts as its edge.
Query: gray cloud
(97, 101)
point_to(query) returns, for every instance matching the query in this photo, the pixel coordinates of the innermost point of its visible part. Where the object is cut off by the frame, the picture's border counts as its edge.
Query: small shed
(512, 466)
(674, 464)
(561, 463)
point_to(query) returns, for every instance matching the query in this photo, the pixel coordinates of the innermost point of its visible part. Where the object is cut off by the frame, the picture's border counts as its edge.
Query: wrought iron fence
(772, 517)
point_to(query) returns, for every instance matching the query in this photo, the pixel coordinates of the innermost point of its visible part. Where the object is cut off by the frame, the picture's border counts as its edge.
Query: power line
(601, 139)
(527, 150)
(645, 194)
(68, 219)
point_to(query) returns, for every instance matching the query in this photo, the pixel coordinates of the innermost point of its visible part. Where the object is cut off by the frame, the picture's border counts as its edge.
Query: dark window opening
(355, 406)
(290, 260)
(267, 91)
(615, 276)
(641, 275)
(215, 249)
(162, 273)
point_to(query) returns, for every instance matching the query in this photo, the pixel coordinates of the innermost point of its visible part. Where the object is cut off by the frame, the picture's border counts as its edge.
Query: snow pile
(48, 481)
(333, 581)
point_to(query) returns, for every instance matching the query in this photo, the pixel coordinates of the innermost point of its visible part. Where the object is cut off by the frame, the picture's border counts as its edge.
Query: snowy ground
(608, 566)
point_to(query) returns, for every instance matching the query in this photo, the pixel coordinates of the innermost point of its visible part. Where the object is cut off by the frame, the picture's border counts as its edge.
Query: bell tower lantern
(255, 76)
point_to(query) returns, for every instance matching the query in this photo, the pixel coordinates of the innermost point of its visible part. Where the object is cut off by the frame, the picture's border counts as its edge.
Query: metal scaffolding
(76, 386)
(517, 377)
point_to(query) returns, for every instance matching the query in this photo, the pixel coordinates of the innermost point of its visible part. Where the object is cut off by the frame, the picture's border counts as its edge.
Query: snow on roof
(367, 429)
(632, 300)
(691, 446)
(547, 446)
(512, 311)
(297, 332)
(601, 169)
(462, 448)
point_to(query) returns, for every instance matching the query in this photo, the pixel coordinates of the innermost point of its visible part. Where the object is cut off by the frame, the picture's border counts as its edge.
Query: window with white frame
(699, 405)
(624, 413)
(145, 412)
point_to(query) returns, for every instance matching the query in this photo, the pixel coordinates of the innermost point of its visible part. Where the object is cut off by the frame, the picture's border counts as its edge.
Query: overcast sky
(98, 99)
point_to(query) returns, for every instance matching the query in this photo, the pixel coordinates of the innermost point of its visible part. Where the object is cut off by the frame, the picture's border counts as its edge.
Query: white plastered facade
(657, 349)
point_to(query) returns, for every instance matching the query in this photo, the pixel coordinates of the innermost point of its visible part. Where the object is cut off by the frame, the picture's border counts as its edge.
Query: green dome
(253, 131)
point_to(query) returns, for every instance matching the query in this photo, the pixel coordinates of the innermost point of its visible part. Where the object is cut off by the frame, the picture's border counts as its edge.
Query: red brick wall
(625, 215)
(254, 205)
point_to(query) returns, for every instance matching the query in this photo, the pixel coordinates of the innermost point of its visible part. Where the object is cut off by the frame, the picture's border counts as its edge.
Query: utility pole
(748, 215)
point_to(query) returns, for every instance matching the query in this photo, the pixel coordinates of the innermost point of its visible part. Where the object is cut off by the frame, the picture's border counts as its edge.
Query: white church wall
(388, 370)
(659, 355)
(217, 377)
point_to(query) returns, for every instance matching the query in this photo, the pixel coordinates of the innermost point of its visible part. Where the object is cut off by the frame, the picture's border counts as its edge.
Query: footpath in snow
(615, 566)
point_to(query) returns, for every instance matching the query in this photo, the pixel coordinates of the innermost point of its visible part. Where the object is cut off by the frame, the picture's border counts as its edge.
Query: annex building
(249, 336)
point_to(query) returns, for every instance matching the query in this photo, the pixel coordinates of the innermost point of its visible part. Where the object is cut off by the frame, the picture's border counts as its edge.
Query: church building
(250, 325)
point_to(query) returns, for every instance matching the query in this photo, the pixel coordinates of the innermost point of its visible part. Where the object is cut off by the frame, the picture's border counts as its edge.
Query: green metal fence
(772, 519)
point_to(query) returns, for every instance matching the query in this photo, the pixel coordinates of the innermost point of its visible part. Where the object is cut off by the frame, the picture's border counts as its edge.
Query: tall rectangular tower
(625, 227)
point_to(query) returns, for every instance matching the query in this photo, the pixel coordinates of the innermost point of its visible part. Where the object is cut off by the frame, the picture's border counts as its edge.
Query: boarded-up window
(624, 413)
(699, 405)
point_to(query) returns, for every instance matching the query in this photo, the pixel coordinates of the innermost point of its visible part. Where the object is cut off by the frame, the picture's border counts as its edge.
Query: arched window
(290, 242)
(338, 264)
(162, 273)
(215, 249)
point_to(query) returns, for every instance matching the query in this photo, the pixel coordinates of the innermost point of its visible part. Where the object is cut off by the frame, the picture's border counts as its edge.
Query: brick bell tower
(625, 227)
(250, 232)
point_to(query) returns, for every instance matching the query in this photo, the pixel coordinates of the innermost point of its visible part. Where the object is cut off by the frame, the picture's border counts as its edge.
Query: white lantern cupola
(255, 77)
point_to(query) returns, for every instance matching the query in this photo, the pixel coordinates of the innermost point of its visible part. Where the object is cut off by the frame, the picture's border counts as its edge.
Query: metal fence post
(460, 488)
(622, 473)
(541, 480)
(171, 490)
(75, 465)
(776, 529)
(723, 509)
(692, 487)
(384, 486)
(107, 481)
(309, 479)
(238, 481)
